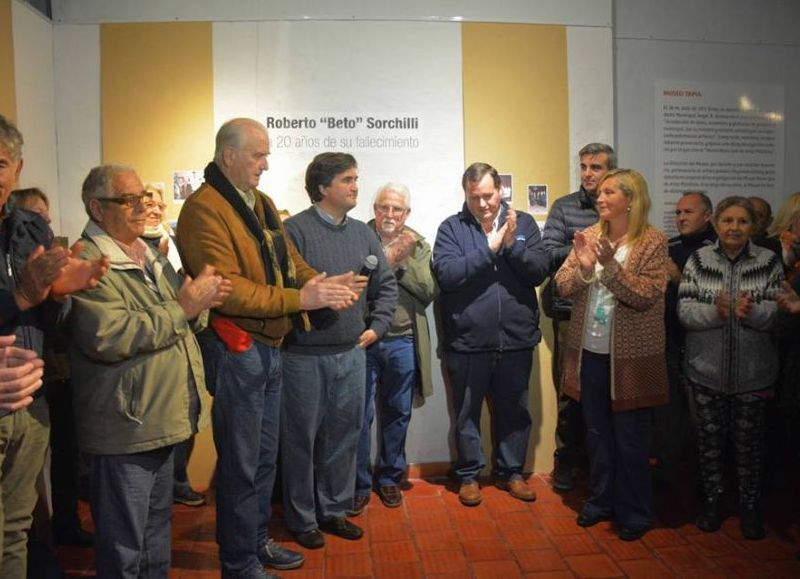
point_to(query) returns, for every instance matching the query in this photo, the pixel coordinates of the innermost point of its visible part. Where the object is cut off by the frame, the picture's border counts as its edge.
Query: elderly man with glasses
(400, 362)
(139, 387)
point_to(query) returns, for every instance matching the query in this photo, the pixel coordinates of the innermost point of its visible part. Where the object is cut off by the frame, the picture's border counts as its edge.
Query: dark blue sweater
(488, 301)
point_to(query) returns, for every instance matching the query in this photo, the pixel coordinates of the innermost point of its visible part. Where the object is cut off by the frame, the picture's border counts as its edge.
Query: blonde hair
(788, 213)
(634, 186)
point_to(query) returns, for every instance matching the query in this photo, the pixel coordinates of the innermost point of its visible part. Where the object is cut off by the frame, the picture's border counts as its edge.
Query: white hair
(398, 188)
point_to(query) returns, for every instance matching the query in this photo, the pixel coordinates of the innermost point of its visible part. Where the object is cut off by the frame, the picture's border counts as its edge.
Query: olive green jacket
(417, 281)
(137, 372)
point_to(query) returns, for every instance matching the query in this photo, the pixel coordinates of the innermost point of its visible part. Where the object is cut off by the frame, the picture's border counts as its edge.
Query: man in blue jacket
(488, 260)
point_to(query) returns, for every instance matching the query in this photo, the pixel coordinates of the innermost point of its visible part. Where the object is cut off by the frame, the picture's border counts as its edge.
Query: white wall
(736, 41)
(33, 67)
(77, 78)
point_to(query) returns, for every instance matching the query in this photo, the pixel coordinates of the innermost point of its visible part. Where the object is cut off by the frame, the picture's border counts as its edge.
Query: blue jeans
(391, 369)
(619, 448)
(323, 407)
(131, 501)
(502, 377)
(246, 421)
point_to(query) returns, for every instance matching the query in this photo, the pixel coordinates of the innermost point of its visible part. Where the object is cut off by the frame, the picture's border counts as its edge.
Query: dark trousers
(672, 423)
(740, 416)
(570, 432)
(391, 375)
(502, 378)
(246, 413)
(619, 448)
(64, 456)
(131, 501)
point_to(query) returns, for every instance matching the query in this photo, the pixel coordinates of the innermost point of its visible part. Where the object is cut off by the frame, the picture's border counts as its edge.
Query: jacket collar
(746, 253)
(586, 200)
(117, 258)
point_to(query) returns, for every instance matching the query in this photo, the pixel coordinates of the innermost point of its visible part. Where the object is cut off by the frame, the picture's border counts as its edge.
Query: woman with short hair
(726, 301)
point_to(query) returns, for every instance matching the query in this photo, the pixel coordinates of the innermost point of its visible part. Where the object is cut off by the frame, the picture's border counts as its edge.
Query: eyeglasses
(129, 201)
(389, 209)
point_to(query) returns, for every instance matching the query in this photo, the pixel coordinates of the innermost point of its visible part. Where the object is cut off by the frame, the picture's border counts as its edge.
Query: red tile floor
(432, 535)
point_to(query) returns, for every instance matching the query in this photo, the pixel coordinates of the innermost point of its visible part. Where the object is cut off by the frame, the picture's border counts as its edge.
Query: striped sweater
(730, 356)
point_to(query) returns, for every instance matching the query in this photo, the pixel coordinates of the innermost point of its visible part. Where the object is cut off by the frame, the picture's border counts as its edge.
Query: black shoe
(710, 518)
(632, 533)
(189, 498)
(562, 477)
(391, 496)
(73, 537)
(312, 539)
(341, 527)
(586, 519)
(751, 522)
(271, 554)
(360, 503)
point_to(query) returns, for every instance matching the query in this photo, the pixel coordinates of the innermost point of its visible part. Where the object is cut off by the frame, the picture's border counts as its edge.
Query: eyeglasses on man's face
(129, 201)
(390, 209)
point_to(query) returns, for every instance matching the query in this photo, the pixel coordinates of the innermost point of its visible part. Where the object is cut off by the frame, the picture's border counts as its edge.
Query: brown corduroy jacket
(211, 232)
(638, 363)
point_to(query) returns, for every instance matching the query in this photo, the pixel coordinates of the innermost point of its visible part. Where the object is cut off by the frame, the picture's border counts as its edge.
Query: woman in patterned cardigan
(726, 301)
(616, 276)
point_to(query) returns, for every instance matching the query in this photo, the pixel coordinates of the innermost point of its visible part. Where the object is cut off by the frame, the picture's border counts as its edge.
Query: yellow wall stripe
(516, 103)
(8, 89)
(157, 97)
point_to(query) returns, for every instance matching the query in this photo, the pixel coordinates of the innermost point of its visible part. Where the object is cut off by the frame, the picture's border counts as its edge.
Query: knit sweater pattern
(338, 249)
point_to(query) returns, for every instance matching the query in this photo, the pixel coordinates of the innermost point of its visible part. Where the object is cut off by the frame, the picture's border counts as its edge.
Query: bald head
(242, 147)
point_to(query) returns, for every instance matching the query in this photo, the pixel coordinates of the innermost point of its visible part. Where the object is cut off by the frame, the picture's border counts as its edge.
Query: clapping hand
(744, 304)
(207, 290)
(79, 274)
(788, 300)
(585, 252)
(724, 305)
(20, 374)
(510, 228)
(338, 292)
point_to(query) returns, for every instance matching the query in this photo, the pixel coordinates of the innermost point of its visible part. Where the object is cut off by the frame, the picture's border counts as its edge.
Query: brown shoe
(391, 496)
(360, 503)
(518, 489)
(470, 494)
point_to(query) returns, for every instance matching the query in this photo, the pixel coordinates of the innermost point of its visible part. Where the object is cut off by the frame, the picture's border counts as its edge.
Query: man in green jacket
(138, 380)
(400, 362)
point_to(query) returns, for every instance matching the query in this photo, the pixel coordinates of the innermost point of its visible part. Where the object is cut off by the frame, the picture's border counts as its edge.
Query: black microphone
(370, 265)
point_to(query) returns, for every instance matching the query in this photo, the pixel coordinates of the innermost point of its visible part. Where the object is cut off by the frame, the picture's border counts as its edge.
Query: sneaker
(341, 527)
(470, 494)
(391, 496)
(189, 498)
(312, 539)
(518, 489)
(562, 478)
(360, 503)
(271, 554)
